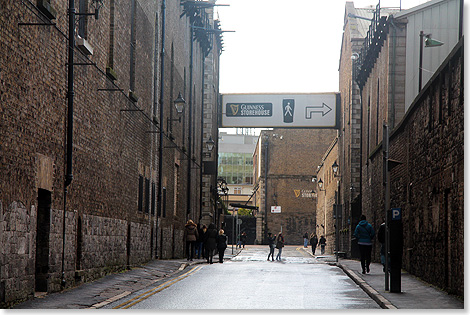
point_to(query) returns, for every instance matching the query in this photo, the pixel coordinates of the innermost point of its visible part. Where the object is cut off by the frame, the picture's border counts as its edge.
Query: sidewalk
(113, 287)
(416, 294)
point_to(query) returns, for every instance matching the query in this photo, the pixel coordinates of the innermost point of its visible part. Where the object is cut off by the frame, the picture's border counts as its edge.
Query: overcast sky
(284, 45)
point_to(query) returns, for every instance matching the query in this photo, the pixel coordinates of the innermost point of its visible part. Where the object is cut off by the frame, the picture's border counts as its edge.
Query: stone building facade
(426, 135)
(429, 185)
(288, 156)
(136, 164)
(327, 189)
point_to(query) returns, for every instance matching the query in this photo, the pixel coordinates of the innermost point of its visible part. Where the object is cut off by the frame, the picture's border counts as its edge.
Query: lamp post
(320, 187)
(335, 168)
(429, 42)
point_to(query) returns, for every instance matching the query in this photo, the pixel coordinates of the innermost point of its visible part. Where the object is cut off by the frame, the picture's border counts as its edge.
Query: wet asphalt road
(248, 281)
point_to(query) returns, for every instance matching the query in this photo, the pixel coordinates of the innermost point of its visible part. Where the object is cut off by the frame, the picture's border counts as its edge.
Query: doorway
(42, 240)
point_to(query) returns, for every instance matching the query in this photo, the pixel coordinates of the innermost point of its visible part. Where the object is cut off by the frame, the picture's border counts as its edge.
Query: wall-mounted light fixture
(429, 42)
(179, 103)
(210, 144)
(335, 168)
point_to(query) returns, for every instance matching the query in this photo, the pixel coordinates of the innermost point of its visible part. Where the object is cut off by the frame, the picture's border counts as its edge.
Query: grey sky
(284, 46)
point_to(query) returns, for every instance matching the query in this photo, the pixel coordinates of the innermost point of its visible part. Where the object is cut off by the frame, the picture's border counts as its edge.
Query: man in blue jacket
(364, 233)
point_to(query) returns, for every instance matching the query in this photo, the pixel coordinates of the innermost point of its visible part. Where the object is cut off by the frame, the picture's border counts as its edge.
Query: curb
(376, 296)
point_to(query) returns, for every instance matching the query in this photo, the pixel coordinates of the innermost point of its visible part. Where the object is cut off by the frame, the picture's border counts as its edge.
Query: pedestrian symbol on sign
(288, 110)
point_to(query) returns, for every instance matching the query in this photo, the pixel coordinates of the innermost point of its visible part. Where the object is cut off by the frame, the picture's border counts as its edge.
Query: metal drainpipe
(394, 43)
(70, 94)
(160, 144)
(202, 139)
(188, 197)
(266, 190)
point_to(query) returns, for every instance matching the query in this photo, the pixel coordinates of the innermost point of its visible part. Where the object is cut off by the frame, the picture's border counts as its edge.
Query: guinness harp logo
(234, 108)
(297, 193)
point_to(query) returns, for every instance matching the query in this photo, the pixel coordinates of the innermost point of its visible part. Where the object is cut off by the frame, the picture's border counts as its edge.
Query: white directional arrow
(323, 109)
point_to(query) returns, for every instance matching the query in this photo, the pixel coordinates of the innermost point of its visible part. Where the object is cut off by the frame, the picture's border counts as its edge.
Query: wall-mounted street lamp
(335, 169)
(320, 185)
(210, 144)
(428, 42)
(179, 104)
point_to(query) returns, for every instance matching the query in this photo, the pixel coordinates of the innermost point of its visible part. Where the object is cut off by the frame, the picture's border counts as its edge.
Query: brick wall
(290, 179)
(428, 186)
(113, 143)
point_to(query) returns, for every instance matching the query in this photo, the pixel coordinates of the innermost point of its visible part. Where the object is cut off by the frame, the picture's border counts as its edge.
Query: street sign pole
(386, 177)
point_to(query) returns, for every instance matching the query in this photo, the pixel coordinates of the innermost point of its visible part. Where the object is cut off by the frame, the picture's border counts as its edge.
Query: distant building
(285, 163)
(235, 166)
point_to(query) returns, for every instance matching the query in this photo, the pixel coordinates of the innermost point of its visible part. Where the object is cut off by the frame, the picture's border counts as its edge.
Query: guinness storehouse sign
(307, 110)
(249, 109)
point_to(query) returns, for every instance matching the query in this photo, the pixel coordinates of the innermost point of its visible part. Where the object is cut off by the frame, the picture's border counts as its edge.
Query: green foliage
(245, 212)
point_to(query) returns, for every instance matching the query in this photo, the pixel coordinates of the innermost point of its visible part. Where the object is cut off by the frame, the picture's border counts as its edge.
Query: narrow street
(249, 281)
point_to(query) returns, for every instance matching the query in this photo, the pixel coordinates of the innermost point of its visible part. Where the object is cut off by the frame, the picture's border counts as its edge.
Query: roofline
(420, 7)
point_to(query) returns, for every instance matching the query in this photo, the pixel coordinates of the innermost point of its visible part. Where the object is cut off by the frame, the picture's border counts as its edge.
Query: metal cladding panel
(315, 110)
(441, 20)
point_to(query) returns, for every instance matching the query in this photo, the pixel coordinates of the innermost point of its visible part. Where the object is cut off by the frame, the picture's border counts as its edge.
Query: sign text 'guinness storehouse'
(308, 110)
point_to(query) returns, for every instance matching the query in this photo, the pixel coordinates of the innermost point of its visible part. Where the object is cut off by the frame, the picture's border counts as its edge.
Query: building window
(141, 193)
(147, 195)
(132, 52)
(237, 190)
(153, 198)
(110, 67)
(82, 20)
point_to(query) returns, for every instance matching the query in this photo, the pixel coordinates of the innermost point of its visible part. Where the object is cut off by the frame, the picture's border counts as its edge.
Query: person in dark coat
(221, 245)
(210, 242)
(313, 242)
(271, 241)
(305, 240)
(190, 235)
(279, 245)
(243, 239)
(364, 233)
(322, 243)
(200, 241)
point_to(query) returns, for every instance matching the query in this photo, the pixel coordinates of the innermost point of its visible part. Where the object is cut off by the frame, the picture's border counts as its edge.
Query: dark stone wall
(429, 185)
(114, 144)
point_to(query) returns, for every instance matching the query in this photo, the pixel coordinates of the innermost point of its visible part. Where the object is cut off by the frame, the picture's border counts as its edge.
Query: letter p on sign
(396, 214)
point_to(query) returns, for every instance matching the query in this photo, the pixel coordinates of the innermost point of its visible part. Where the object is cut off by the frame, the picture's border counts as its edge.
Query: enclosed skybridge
(272, 110)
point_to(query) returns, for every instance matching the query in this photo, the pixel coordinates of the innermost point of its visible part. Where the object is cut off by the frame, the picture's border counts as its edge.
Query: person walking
(322, 243)
(364, 234)
(199, 241)
(279, 245)
(210, 242)
(313, 242)
(381, 238)
(306, 240)
(243, 239)
(271, 241)
(221, 245)
(190, 235)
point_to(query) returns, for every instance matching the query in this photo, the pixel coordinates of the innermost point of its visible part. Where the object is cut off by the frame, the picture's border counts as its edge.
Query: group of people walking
(314, 241)
(203, 241)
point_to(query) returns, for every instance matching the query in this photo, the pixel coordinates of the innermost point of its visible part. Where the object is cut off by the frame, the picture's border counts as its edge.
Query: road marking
(155, 290)
(110, 300)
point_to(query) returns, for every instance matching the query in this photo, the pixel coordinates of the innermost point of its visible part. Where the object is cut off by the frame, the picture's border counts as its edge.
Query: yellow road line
(155, 290)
